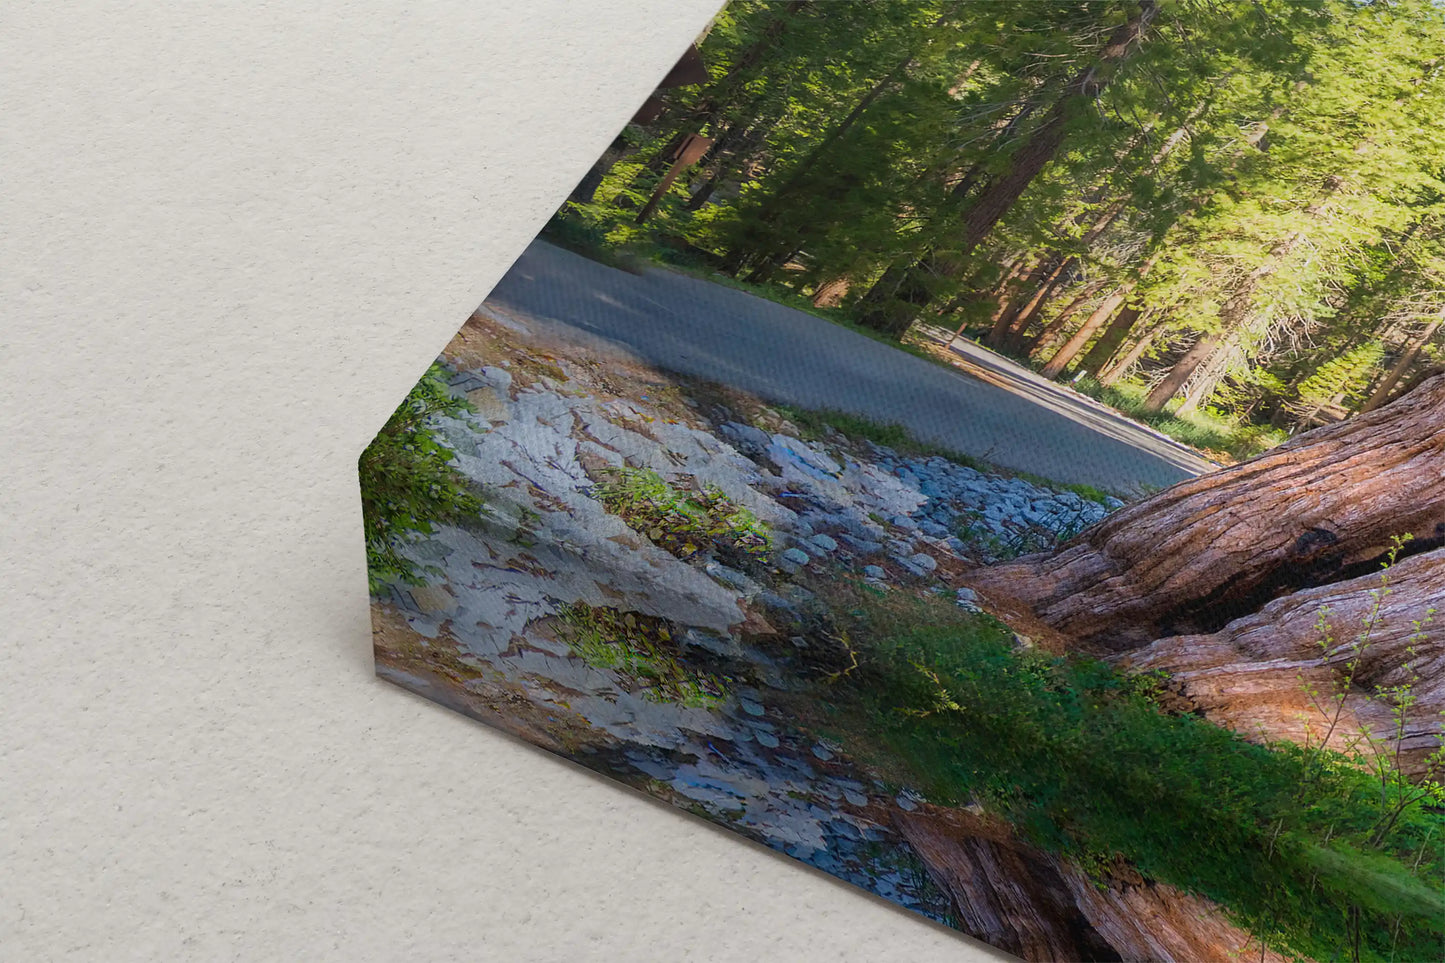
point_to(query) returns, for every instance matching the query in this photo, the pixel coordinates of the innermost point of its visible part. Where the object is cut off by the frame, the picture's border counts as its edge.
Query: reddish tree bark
(1004, 319)
(1118, 367)
(1113, 337)
(1054, 330)
(1248, 675)
(1321, 508)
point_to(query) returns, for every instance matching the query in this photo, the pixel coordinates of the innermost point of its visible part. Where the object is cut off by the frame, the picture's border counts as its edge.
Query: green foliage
(1343, 379)
(642, 650)
(408, 484)
(681, 522)
(1083, 761)
(1279, 186)
(1203, 428)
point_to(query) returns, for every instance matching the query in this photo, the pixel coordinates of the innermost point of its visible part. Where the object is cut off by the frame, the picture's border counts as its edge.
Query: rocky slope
(488, 633)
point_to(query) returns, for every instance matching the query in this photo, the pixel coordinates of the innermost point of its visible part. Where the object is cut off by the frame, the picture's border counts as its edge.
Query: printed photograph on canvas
(992, 452)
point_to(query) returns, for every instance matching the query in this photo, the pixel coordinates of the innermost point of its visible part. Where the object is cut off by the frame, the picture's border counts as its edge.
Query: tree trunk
(1110, 341)
(1004, 319)
(1248, 675)
(1232, 315)
(995, 200)
(1054, 330)
(1412, 352)
(1321, 508)
(1117, 369)
(998, 196)
(830, 294)
(1044, 908)
(1071, 348)
(1014, 336)
(1095, 321)
(1161, 394)
(586, 189)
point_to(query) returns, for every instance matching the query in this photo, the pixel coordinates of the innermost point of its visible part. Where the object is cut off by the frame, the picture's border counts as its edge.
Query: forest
(1225, 219)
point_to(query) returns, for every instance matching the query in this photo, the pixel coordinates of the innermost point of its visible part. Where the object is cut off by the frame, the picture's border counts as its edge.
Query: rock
(822, 752)
(748, 439)
(433, 599)
(863, 546)
(766, 739)
(731, 577)
(919, 564)
(874, 571)
(786, 450)
(796, 556)
(825, 542)
(771, 600)
(750, 707)
(967, 599)
(900, 546)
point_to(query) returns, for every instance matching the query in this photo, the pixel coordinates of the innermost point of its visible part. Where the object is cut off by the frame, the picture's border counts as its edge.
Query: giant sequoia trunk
(1042, 908)
(1248, 675)
(1319, 509)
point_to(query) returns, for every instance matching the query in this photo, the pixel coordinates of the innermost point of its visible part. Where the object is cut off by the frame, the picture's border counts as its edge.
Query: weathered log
(1003, 892)
(1251, 675)
(1040, 907)
(1321, 508)
(1155, 921)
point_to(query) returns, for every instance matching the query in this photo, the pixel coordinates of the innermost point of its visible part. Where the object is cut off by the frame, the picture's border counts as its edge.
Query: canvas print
(992, 452)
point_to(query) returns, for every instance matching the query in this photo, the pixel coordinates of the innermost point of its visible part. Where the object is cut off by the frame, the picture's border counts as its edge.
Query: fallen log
(1318, 510)
(1251, 675)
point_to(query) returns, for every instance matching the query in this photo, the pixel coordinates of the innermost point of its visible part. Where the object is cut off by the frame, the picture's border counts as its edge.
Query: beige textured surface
(234, 234)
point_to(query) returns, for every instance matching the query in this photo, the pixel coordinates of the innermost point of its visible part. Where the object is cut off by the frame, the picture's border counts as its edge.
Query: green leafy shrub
(408, 483)
(641, 649)
(682, 523)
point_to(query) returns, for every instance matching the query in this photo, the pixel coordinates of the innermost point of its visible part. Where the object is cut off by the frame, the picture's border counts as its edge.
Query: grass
(1204, 429)
(641, 649)
(1083, 761)
(815, 423)
(683, 522)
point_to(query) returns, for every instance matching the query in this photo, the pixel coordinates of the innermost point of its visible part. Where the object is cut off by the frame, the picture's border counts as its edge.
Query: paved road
(1004, 413)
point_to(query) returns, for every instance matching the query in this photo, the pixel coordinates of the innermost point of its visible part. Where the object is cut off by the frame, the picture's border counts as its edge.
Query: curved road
(1004, 413)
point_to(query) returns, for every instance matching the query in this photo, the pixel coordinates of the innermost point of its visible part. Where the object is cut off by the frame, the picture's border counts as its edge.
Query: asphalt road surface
(996, 410)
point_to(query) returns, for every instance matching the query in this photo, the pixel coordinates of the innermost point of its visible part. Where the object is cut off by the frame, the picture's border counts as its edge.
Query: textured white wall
(234, 234)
